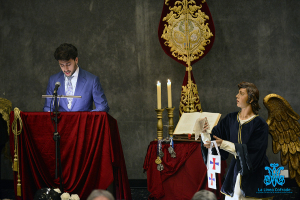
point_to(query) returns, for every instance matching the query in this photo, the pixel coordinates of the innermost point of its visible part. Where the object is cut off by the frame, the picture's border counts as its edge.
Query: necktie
(70, 91)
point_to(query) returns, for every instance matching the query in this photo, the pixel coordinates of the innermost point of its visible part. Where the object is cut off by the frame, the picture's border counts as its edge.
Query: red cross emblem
(211, 178)
(214, 163)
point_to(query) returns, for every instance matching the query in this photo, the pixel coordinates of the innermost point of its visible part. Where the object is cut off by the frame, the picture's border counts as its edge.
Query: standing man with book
(75, 82)
(245, 135)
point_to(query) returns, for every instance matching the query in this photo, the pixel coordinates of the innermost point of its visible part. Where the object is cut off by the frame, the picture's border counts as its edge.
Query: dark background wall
(255, 41)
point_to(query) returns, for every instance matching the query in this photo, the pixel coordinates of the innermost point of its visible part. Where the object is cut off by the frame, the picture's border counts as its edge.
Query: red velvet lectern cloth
(91, 153)
(182, 176)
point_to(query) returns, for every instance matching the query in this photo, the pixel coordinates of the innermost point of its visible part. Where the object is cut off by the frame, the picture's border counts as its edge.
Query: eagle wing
(285, 131)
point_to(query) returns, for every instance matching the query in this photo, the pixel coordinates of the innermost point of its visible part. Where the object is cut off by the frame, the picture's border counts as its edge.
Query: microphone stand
(56, 138)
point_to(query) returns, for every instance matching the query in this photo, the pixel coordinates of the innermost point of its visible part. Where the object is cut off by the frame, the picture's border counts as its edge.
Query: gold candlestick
(171, 123)
(159, 123)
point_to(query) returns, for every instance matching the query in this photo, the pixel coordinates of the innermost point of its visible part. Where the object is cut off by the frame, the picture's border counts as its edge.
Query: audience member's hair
(100, 193)
(204, 195)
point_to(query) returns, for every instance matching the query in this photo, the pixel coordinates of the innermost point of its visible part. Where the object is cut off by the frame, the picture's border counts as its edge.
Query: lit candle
(169, 94)
(158, 95)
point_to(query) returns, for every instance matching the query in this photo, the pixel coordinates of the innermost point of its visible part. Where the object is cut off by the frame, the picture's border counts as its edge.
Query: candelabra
(171, 123)
(160, 124)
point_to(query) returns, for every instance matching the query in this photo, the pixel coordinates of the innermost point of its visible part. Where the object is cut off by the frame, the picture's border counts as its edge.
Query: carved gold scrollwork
(5, 108)
(189, 101)
(186, 34)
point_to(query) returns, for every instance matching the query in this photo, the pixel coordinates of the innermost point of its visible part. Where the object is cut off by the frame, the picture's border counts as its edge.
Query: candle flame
(169, 81)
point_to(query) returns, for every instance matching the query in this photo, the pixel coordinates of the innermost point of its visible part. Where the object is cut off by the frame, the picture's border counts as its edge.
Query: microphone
(57, 84)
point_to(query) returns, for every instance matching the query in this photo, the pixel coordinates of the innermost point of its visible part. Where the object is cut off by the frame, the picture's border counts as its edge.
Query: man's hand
(218, 141)
(206, 126)
(201, 125)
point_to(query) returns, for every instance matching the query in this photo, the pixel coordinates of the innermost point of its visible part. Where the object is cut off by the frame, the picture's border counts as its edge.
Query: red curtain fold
(182, 176)
(91, 153)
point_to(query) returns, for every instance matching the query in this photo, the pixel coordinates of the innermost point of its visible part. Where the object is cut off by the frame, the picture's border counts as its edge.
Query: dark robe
(251, 142)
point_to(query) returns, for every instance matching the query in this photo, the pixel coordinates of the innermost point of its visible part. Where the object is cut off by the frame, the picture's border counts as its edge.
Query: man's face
(242, 98)
(68, 67)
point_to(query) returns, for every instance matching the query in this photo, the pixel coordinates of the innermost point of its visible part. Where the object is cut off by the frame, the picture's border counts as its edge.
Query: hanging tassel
(14, 128)
(15, 167)
(19, 187)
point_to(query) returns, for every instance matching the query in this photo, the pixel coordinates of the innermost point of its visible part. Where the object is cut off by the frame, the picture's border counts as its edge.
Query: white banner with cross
(213, 165)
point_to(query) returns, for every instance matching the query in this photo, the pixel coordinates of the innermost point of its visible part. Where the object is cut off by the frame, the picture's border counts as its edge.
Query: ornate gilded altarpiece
(186, 33)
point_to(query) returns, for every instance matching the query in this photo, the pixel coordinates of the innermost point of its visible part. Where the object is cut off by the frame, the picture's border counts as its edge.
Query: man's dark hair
(253, 94)
(65, 52)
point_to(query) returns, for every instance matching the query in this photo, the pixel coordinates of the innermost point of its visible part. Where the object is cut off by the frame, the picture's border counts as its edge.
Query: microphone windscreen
(57, 83)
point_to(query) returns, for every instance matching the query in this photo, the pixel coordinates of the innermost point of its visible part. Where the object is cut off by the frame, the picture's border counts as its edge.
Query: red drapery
(182, 176)
(91, 153)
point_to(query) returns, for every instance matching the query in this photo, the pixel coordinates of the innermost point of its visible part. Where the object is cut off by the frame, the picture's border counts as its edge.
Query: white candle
(158, 95)
(169, 94)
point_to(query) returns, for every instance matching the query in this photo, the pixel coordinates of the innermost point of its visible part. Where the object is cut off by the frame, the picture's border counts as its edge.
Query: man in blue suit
(74, 82)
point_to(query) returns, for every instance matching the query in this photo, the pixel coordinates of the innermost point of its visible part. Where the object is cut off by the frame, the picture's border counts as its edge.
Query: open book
(186, 124)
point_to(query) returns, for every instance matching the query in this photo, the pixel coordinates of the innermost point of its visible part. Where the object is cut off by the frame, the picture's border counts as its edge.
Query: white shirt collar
(244, 121)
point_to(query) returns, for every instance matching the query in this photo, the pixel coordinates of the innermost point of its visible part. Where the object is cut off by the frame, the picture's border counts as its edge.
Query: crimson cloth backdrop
(91, 153)
(182, 176)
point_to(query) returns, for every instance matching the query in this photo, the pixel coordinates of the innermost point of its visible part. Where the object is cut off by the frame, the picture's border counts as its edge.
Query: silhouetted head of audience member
(100, 195)
(204, 195)
(46, 194)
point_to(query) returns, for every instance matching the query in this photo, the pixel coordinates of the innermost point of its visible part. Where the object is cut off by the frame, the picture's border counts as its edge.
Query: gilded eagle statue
(285, 130)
